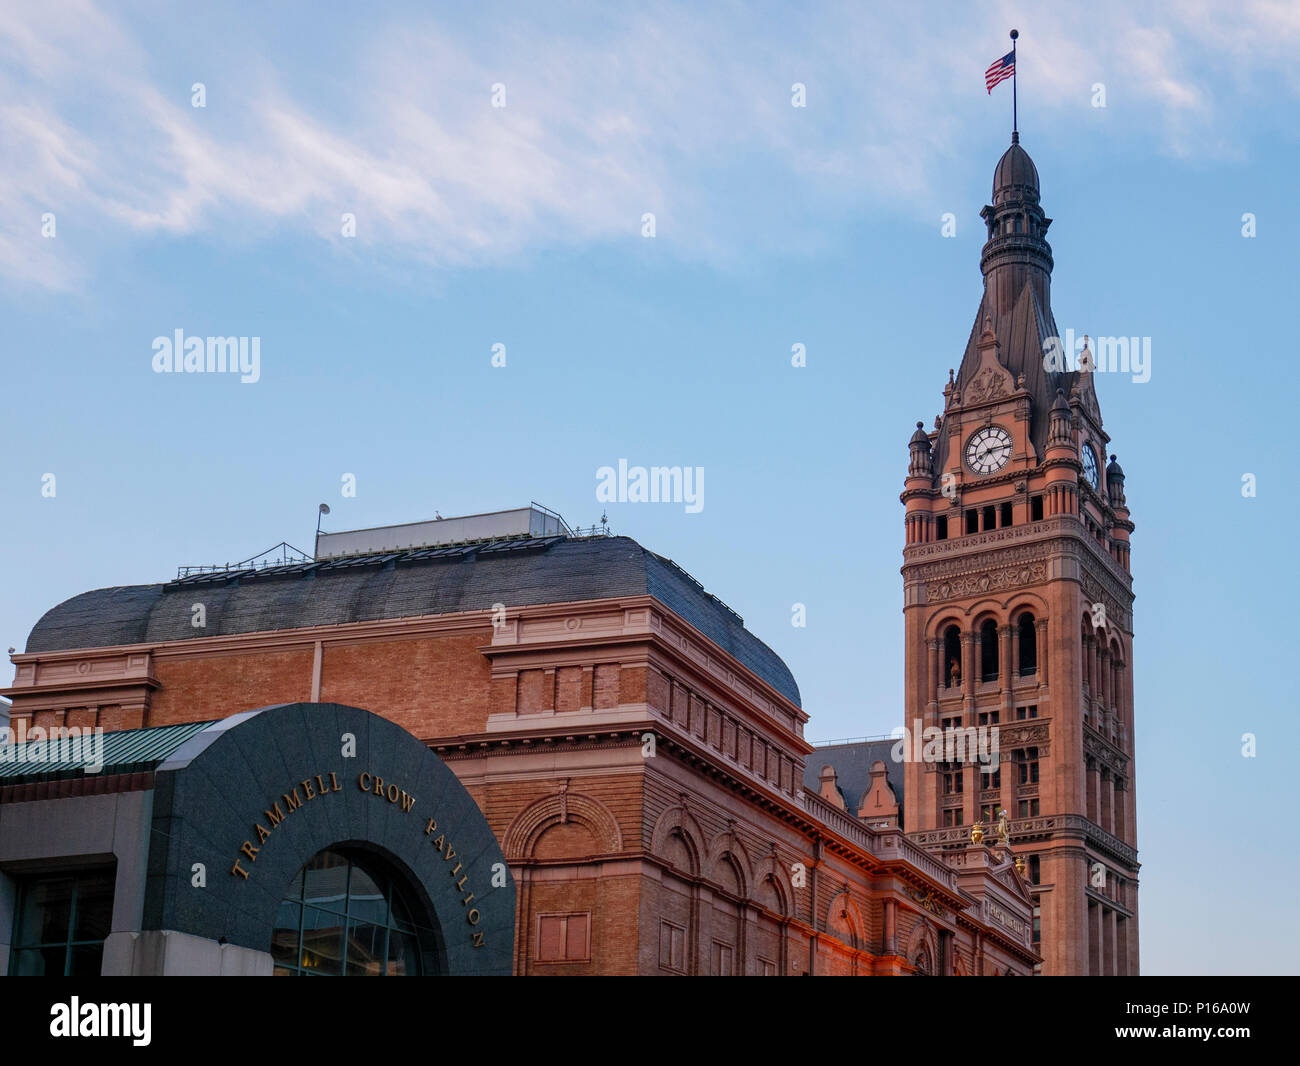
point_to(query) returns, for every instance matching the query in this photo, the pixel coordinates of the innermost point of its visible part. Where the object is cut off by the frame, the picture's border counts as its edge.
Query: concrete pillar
(889, 942)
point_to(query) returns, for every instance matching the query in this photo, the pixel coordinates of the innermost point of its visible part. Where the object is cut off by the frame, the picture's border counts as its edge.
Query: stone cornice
(1103, 750)
(1054, 825)
(547, 628)
(1002, 553)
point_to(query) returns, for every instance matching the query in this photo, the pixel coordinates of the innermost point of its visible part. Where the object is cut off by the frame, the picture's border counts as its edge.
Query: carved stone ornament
(1011, 577)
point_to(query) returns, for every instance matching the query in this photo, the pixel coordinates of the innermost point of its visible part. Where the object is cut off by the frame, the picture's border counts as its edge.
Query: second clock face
(1090, 465)
(988, 449)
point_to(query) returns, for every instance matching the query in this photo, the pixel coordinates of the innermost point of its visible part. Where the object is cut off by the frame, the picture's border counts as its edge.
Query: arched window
(1028, 645)
(989, 651)
(349, 913)
(952, 657)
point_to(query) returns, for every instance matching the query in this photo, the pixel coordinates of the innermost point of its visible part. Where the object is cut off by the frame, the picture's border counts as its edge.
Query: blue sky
(775, 225)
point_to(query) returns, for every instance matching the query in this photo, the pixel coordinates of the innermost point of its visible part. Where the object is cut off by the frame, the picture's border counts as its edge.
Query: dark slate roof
(852, 762)
(469, 577)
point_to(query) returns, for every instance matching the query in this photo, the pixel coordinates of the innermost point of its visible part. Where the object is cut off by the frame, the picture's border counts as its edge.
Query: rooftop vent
(532, 521)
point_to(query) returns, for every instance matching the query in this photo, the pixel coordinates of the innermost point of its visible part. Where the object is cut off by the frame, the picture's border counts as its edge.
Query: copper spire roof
(1015, 175)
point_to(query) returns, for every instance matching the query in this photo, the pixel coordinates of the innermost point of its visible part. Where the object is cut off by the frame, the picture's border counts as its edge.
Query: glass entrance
(348, 913)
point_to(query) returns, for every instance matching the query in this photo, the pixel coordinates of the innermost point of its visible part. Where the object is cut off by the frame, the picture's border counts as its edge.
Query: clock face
(988, 450)
(1090, 465)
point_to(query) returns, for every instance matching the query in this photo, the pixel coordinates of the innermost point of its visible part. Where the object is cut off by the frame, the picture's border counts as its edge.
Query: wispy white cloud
(685, 113)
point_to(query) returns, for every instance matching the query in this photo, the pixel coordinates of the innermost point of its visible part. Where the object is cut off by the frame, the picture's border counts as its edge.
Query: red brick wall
(432, 686)
(215, 686)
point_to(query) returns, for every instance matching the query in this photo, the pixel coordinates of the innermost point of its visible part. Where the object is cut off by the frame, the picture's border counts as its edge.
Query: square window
(563, 937)
(61, 922)
(672, 947)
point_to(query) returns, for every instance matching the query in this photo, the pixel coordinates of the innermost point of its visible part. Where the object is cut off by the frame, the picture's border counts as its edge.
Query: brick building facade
(638, 754)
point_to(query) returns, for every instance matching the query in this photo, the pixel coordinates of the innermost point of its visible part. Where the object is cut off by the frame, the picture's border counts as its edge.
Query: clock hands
(987, 449)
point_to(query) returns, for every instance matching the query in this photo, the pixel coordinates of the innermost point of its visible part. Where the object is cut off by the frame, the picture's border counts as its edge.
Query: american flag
(1000, 70)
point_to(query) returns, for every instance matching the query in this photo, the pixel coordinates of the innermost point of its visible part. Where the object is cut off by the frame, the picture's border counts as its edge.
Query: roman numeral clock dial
(988, 450)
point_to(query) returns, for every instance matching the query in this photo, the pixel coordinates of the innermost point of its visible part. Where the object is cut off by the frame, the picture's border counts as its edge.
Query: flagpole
(1015, 131)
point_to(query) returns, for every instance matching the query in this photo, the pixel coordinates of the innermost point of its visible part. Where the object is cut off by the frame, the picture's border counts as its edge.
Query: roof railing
(282, 554)
(853, 740)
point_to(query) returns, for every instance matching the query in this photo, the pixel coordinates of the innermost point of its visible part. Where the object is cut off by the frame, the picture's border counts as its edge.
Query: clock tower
(1018, 606)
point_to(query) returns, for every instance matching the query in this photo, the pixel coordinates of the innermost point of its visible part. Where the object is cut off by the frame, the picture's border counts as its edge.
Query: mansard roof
(471, 577)
(852, 762)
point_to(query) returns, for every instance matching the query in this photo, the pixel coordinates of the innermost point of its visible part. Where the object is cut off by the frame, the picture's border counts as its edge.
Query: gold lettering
(275, 816)
(292, 803)
(361, 781)
(442, 839)
(461, 883)
(451, 853)
(237, 869)
(465, 901)
(393, 793)
(334, 781)
(455, 871)
(379, 785)
(478, 940)
(320, 785)
(250, 851)
(433, 824)
(262, 834)
(472, 916)
(408, 801)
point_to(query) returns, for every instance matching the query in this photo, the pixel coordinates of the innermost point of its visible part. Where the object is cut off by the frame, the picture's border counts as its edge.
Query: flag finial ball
(1015, 34)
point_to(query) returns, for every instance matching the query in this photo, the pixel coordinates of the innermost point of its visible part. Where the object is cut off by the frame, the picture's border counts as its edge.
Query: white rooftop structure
(533, 521)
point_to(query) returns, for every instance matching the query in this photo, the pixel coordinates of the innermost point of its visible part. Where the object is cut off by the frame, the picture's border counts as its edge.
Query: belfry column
(1044, 657)
(1005, 667)
(968, 668)
(1109, 967)
(1093, 791)
(1106, 801)
(935, 675)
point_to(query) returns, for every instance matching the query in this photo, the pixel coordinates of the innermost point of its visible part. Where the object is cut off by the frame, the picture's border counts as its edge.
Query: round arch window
(349, 913)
